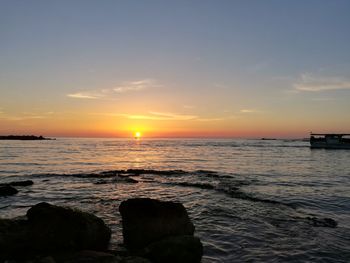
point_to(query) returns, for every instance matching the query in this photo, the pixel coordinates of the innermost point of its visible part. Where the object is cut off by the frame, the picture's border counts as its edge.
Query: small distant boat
(329, 141)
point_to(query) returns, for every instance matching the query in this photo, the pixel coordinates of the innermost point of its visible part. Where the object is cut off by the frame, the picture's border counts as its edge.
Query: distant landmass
(24, 137)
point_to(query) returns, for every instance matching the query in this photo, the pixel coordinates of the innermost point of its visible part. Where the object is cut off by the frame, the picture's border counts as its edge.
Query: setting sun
(137, 135)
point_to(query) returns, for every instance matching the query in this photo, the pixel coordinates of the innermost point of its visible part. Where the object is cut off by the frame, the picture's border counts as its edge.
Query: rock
(21, 183)
(176, 249)
(51, 229)
(13, 238)
(137, 172)
(6, 190)
(58, 228)
(132, 259)
(197, 185)
(126, 180)
(146, 221)
(47, 259)
(322, 222)
(89, 256)
(117, 179)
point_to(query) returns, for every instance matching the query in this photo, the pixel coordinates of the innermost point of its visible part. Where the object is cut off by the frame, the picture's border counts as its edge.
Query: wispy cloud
(173, 116)
(311, 83)
(85, 95)
(159, 116)
(141, 117)
(24, 116)
(169, 116)
(249, 111)
(136, 85)
(210, 119)
(126, 86)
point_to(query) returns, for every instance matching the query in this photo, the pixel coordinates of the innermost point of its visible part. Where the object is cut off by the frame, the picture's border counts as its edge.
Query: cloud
(124, 87)
(85, 95)
(311, 83)
(169, 116)
(22, 118)
(136, 85)
(248, 111)
(210, 119)
(142, 117)
(173, 116)
(25, 116)
(159, 116)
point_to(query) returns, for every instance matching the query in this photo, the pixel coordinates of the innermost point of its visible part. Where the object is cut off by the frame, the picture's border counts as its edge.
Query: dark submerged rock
(175, 249)
(197, 185)
(322, 222)
(6, 190)
(137, 172)
(22, 183)
(146, 221)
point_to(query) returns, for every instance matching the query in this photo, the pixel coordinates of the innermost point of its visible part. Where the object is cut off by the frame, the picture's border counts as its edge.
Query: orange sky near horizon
(95, 125)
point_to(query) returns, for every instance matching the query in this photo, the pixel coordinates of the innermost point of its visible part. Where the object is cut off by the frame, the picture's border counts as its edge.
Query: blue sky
(247, 66)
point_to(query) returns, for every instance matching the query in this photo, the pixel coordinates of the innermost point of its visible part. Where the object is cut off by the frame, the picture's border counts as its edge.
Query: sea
(250, 200)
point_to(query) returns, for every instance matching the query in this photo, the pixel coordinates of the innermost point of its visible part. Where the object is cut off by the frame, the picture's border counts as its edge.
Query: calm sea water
(250, 200)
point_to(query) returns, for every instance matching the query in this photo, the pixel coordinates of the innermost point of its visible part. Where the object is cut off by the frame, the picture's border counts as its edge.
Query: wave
(224, 183)
(132, 172)
(253, 144)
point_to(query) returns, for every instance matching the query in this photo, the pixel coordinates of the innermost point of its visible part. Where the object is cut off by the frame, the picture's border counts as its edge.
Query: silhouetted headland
(24, 137)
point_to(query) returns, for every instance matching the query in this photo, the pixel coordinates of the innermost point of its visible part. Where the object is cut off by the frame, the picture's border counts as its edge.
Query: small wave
(235, 192)
(322, 222)
(133, 172)
(196, 185)
(310, 220)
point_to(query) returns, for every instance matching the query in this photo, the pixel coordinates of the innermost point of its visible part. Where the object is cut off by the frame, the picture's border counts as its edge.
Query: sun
(137, 135)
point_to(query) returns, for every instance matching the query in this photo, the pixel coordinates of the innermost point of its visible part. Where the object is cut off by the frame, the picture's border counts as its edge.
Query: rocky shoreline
(24, 137)
(153, 231)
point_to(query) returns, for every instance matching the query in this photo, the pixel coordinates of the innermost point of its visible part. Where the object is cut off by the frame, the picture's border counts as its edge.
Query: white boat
(329, 141)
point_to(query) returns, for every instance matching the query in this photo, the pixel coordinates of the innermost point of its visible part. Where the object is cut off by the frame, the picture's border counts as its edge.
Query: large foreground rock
(176, 249)
(146, 221)
(55, 227)
(50, 229)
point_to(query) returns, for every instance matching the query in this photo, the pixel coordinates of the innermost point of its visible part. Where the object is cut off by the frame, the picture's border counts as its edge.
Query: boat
(329, 141)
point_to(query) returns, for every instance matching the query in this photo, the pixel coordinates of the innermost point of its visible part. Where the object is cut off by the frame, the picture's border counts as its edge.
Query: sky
(272, 68)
